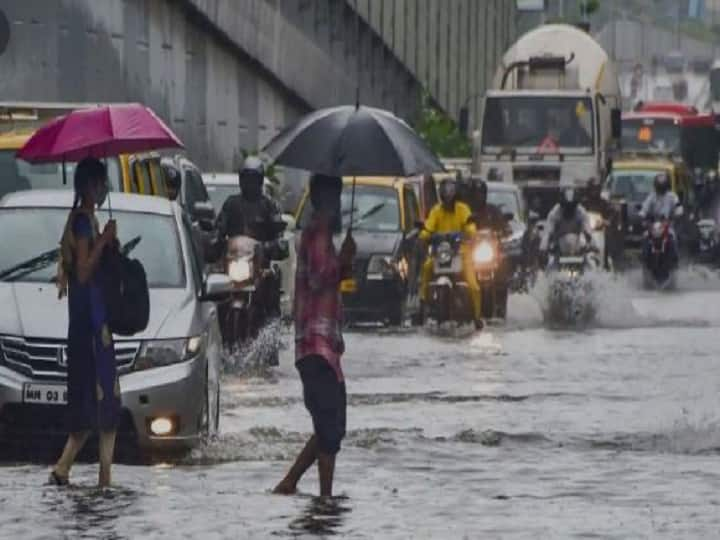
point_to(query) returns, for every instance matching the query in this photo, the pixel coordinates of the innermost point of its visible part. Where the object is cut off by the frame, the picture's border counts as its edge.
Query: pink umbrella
(99, 132)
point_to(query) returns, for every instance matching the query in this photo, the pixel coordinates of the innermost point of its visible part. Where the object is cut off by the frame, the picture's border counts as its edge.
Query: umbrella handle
(352, 206)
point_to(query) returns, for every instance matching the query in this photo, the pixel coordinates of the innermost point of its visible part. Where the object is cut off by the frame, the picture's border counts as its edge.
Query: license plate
(47, 394)
(348, 286)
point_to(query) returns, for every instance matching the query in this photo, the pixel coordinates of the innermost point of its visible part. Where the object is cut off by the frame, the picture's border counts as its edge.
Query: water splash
(258, 355)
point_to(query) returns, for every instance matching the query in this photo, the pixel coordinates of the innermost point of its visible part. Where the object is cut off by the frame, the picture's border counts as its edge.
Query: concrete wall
(450, 46)
(228, 74)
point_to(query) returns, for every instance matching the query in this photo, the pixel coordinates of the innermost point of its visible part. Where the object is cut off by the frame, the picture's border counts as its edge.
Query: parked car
(387, 265)
(169, 374)
(220, 186)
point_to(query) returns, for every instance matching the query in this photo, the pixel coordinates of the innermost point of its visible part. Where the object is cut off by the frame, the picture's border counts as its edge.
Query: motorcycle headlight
(444, 252)
(240, 270)
(165, 352)
(483, 253)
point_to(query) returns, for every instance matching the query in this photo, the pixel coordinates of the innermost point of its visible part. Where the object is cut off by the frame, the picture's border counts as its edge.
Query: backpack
(125, 288)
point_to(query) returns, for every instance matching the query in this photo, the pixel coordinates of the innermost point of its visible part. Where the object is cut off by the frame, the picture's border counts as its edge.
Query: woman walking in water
(93, 389)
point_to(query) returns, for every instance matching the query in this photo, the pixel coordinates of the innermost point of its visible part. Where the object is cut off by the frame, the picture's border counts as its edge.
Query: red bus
(672, 128)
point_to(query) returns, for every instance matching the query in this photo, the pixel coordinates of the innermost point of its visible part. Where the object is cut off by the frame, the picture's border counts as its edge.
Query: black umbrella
(353, 141)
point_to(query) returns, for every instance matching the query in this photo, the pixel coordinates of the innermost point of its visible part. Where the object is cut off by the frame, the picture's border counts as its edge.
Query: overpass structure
(229, 74)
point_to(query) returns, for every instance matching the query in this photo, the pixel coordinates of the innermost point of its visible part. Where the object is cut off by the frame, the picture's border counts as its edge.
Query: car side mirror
(616, 123)
(203, 211)
(217, 287)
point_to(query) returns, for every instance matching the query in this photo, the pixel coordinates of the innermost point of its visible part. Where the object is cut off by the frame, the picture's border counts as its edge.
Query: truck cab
(551, 118)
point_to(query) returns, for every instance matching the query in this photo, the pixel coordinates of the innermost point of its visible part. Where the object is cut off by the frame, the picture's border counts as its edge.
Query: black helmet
(568, 202)
(252, 175)
(662, 183)
(448, 191)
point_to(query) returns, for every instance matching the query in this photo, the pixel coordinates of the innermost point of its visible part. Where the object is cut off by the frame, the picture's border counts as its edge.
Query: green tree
(440, 132)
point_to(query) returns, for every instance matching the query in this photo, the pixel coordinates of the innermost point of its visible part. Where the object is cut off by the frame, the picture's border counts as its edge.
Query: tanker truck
(551, 117)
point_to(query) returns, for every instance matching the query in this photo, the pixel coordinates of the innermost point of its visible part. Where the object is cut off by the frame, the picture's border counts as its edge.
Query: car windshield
(376, 209)
(505, 200)
(26, 233)
(651, 135)
(536, 125)
(19, 175)
(633, 186)
(219, 194)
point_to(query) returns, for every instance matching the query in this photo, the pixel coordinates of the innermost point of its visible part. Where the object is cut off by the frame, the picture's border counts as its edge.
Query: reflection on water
(80, 510)
(515, 432)
(321, 516)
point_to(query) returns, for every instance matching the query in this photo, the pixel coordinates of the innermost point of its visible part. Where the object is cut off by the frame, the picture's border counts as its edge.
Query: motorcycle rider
(567, 217)
(451, 216)
(251, 213)
(661, 204)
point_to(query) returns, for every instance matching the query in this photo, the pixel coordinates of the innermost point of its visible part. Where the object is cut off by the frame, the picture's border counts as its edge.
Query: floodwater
(517, 432)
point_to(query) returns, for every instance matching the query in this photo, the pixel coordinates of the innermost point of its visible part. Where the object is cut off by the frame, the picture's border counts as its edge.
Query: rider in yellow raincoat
(451, 216)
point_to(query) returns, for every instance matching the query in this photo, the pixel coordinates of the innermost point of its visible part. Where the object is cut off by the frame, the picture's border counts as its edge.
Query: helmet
(252, 175)
(568, 203)
(448, 191)
(253, 165)
(662, 183)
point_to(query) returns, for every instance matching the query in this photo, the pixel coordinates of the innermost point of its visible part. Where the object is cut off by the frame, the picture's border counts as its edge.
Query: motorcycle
(488, 259)
(570, 294)
(659, 257)
(257, 289)
(449, 294)
(708, 241)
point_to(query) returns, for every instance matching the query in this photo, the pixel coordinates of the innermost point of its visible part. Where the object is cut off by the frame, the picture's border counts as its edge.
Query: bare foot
(285, 488)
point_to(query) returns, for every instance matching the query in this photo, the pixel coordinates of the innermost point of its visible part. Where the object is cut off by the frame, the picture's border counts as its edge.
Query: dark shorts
(326, 401)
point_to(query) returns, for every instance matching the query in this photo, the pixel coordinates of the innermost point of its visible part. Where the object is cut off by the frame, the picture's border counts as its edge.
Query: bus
(672, 129)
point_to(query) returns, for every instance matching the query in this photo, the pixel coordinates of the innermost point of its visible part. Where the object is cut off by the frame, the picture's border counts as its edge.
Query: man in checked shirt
(318, 333)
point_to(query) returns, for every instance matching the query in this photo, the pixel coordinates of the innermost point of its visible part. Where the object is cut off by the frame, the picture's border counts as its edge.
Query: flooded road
(518, 432)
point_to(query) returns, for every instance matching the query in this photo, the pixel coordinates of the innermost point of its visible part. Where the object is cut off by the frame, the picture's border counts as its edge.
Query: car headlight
(240, 270)
(165, 352)
(483, 253)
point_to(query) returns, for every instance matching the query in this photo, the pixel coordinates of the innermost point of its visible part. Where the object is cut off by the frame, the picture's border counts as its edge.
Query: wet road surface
(518, 432)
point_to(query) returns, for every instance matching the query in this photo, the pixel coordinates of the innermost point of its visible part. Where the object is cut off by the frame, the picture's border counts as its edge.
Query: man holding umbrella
(318, 333)
(335, 142)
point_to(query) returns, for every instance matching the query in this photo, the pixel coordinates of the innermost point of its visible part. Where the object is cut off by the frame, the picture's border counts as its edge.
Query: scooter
(255, 300)
(660, 261)
(449, 295)
(571, 296)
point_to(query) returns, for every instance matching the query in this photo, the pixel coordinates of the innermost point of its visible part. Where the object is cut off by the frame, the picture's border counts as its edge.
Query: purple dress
(93, 387)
